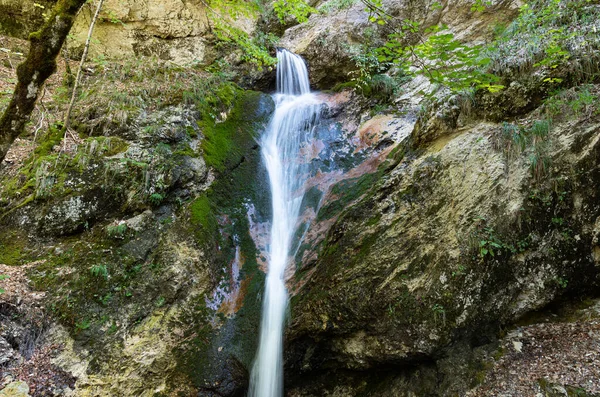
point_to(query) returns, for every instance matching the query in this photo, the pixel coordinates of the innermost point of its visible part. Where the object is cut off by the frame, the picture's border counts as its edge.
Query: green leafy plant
(439, 312)
(155, 199)
(99, 271)
(546, 35)
(561, 282)
(460, 271)
(433, 51)
(489, 243)
(441, 58)
(296, 9)
(83, 325)
(224, 15)
(117, 231)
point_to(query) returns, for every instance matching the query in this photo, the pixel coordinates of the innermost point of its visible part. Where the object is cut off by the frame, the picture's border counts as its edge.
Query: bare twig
(79, 70)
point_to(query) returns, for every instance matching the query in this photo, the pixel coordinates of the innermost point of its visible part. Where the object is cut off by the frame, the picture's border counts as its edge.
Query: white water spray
(284, 149)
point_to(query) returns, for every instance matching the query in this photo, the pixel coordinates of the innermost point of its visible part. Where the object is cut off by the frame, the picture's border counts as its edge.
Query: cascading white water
(285, 151)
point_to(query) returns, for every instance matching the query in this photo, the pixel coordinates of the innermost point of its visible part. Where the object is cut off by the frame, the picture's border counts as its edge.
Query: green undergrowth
(556, 36)
(578, 102)
(48, 170)
(101, 166)
(532, 139)
(117, 93)
(89, 284)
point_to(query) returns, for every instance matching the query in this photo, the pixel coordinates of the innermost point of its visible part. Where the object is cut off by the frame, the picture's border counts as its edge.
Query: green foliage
(252, 52)
(441, 58)
(532, 139)
(370, 78)
(561, 282)
(579, 101)
(83, 325)
(333, 5)
(297, 9)
(546, 35)
(439, 312)
(460, 271)
(480, 5)
(489, 244)
(156, 198)
(110, 16)
(433, 52)
(117, 231)
(224, 14)
(99, 271)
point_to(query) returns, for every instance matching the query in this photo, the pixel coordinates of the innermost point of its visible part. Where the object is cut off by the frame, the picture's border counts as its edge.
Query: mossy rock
(13, 248)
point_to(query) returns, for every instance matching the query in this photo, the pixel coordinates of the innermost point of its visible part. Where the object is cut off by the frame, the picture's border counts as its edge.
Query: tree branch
(35, 70)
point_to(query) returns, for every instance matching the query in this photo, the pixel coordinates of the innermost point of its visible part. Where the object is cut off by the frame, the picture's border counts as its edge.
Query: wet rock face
(132, 251)
(447, 244)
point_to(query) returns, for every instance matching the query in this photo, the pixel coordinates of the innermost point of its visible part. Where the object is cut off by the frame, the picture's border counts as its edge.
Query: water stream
(285, 151)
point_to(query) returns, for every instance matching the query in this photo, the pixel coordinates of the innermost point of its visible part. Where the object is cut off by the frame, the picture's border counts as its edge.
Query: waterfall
(285, 151)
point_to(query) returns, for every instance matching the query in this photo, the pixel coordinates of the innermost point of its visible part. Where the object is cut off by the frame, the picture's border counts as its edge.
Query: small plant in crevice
(117, 231)
(561, 282)
(461, 270)
(156, 199)
(581, 101)
(2, 278)
(515, 139)
(439, 313)
(489, 243)
(82, 325)
(99, 271)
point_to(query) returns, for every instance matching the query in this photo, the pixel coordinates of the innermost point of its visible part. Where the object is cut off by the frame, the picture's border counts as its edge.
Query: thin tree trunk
(35, 70)
(86, 49)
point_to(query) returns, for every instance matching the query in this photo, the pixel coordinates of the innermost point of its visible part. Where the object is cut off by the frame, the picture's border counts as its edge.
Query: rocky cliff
(449, 245)
(179, 31)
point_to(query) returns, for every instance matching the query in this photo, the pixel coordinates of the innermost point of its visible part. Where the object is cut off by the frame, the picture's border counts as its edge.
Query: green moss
(11, 248)
(102, 284)
(110, 146)
(219, 217)
(201, 214)
(349, 190)
(225, 142)
(53, 137)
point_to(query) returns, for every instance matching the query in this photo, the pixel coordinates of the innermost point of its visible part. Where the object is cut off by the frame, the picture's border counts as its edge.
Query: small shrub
(117, 231)
(99, 271)
(83, 325)
(155, 199)
(533, 140)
